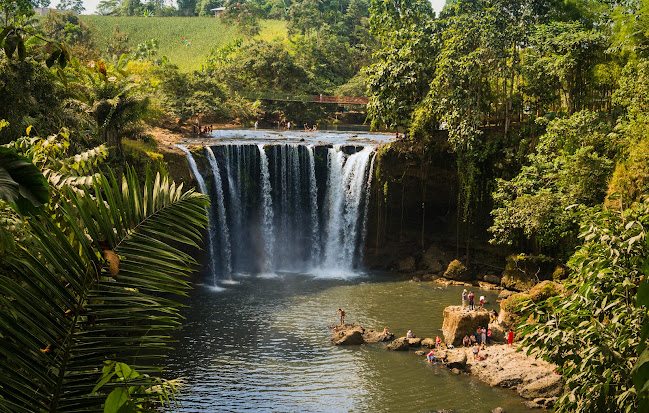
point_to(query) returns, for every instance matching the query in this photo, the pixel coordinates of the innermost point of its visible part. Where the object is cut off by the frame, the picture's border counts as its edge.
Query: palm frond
(98, 291)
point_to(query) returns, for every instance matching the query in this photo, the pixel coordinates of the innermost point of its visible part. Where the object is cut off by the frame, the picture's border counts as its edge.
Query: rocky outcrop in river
(459, 322)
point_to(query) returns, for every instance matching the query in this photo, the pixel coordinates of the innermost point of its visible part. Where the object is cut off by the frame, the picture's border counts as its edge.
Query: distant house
(218, 11)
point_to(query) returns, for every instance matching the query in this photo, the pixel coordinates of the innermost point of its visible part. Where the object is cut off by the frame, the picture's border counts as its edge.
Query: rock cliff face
(459, 322)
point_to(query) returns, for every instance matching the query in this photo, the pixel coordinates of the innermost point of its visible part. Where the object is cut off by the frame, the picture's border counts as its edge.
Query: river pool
(262, 343)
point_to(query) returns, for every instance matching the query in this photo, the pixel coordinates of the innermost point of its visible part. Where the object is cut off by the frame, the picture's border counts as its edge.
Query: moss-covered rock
(523, 271)
(514, 302)
(544, 290)
(457, 271)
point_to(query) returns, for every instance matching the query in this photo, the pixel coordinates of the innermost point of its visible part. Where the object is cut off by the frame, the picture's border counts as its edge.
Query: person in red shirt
(510, 338)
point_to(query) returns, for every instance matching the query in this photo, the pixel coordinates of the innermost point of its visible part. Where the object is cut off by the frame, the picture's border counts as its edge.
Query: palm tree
(94, 287)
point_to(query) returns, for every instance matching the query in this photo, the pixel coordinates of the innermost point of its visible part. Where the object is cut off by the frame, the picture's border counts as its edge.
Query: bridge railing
(341, 100)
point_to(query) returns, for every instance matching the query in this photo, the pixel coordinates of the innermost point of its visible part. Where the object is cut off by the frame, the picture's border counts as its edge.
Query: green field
(203, 32)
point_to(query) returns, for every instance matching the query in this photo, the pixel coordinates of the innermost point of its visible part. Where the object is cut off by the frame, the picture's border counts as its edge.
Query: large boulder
(523, 271)
(458, 323)
(456, 359)
(400, 344)
(457, 271)
(428, 342)
(349, 338)
(544, 290)
(507, 320)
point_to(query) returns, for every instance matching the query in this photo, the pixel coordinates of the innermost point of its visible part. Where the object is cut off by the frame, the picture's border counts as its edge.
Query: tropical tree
(94, 289)
(596, 331)
(113, 100)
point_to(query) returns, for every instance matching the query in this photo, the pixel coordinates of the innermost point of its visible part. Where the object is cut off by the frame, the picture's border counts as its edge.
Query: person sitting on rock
(466, 341)
(472, 340)
(431, 357)
(385, 331)
(409, 334)
(342, 316)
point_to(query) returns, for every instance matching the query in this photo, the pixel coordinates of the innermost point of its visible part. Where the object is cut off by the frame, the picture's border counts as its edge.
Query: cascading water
(203, 188)
(226, 247)
(289, 207)
(267, 211)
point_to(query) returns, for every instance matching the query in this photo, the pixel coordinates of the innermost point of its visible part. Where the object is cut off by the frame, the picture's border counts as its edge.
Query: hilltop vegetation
(185, 41)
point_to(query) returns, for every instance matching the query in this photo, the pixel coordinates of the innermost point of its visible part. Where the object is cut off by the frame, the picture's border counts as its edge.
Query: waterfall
(334, 208)
(267, 208)
(210, 226)
(226, 249)
(289, 207)
(313, 204)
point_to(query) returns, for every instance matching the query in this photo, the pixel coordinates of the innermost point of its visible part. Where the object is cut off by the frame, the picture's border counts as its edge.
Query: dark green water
(264, 345)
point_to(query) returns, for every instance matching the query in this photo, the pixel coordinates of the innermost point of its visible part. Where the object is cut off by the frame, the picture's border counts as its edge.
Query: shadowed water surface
(263, 344)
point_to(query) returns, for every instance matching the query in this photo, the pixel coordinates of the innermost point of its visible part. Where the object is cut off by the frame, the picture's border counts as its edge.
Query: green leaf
(4, 32)
(116, 399)
(11, 42)
(22, 184)
(643, 294)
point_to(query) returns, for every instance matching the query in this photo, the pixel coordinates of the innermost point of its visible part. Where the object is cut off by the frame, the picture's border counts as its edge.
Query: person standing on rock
(476, 350)
(471, 298)
(483, 337)
(481, 302)
(438, 342)
(342, 316)
(464, 294)
(510, 338)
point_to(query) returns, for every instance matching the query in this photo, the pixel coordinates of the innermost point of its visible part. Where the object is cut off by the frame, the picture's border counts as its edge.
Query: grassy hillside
(203, 33)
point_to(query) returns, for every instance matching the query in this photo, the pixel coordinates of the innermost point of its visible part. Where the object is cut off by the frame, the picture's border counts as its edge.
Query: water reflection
(263, 345)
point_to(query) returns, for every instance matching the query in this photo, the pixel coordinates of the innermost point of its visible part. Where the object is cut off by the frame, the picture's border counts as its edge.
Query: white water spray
(226, 247)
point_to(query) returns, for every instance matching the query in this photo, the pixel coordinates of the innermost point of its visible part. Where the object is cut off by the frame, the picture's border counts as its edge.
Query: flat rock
(414, 342)
(400, 344)
(488, 286)
(428, 342)
(546, 386)
(505, 367)
(459, 322)
(372, 336)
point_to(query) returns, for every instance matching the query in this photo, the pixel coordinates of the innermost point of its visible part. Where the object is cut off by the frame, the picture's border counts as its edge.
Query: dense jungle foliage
(556, 91)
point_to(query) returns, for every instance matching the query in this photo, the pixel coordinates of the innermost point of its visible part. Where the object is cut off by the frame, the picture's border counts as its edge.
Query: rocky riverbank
(500, 366)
